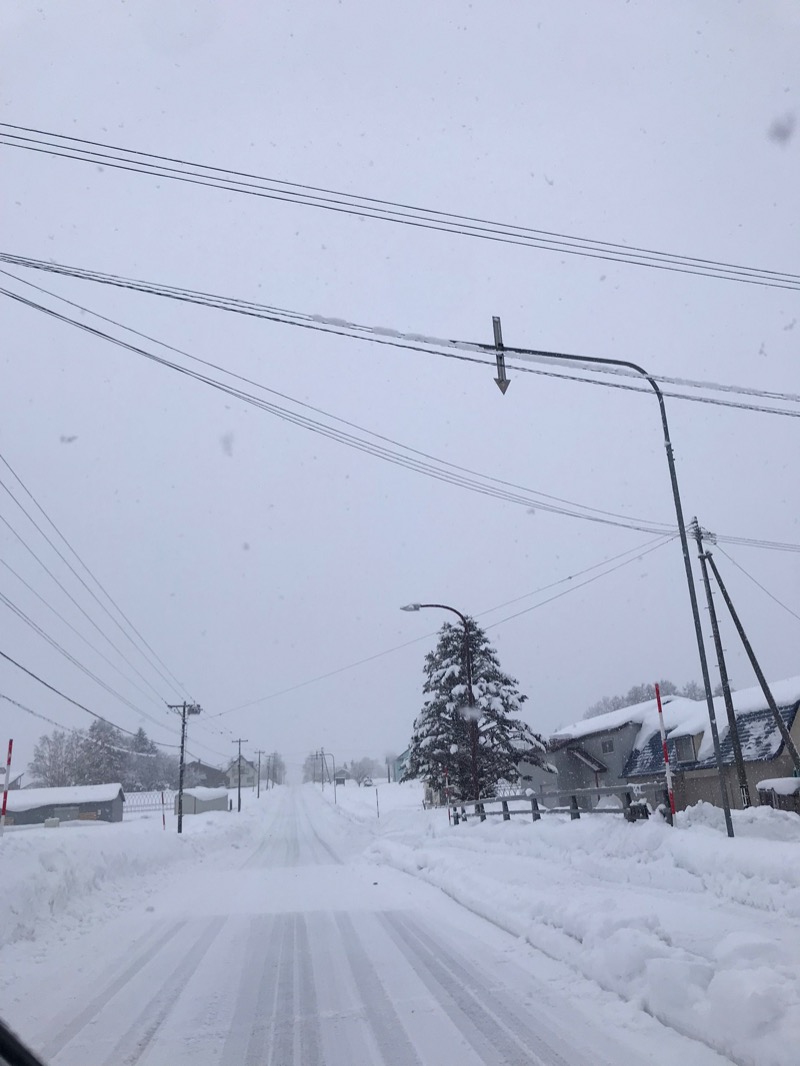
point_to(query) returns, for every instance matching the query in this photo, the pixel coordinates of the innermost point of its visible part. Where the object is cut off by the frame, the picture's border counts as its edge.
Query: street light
(473, 718)
(499, 350)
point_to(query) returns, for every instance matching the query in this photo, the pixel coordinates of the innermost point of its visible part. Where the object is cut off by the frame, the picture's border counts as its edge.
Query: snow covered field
(323, 934)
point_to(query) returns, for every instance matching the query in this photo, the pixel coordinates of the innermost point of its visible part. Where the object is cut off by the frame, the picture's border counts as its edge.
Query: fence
(633, 806)
(139, 802)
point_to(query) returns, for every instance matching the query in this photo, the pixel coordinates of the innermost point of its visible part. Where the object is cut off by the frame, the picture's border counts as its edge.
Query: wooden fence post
(535, 815)
(506, 814)
(574, 810)
(455, 816)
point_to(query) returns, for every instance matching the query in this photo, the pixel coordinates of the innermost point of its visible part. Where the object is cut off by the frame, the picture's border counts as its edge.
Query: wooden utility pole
(184, 709)
(239, 741)
(259, 753)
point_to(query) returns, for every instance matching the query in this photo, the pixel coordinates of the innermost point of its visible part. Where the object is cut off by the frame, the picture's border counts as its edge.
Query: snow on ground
(700, 931)
(48, 873)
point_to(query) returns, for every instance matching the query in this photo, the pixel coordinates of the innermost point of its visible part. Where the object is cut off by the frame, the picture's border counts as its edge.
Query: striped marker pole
(163, 814)
(666, 753)
(5, 787)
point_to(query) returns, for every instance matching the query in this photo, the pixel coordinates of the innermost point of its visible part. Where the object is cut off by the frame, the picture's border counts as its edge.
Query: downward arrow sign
(501, 380)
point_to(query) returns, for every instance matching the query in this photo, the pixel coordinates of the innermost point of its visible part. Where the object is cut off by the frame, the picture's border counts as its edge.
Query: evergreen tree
(142, 772)
(104, 758)
(441, 745)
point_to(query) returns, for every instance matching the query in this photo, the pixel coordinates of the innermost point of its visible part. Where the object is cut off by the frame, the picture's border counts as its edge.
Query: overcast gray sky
(254, 555)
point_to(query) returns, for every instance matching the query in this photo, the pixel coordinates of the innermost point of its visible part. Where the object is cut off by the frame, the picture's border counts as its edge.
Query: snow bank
(700, 931)
(51, 872)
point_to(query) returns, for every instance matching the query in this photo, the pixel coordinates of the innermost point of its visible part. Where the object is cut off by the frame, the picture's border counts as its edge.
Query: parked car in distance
(367, 782)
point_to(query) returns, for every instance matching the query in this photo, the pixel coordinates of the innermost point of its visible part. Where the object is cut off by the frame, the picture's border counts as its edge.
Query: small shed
(80, 803)
(782, 793)
(199, 800)
(341, 777)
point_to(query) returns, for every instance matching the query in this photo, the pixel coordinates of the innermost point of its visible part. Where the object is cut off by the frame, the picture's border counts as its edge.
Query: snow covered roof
(783, 786)
(684, 717)
(679, 714)
(28, 799)
(206, 794)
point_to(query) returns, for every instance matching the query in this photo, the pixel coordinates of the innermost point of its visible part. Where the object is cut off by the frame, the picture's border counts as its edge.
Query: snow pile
(700, 931)
(51, 872)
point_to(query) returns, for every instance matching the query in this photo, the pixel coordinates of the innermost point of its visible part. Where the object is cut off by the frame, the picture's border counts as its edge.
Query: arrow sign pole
(501, 380)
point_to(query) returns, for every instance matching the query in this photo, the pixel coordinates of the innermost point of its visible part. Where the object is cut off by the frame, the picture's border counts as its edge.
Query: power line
(406, 461)
(326, 414)
(74, 629)
(168, 167)
(582, 584)
(15, 609)
(755, 581)
(636, 552)
(68, 594)
(393, 337)
(64, 540)
(69, 699)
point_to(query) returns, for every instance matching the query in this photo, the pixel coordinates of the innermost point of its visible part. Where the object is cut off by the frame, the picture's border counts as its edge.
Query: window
(684, 749)
(607, 746)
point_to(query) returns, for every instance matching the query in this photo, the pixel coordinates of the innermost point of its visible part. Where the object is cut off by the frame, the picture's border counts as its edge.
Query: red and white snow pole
(163, 812)
(667, 767)
(5, 787)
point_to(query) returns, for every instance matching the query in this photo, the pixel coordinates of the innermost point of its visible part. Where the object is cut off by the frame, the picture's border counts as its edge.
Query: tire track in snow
(328, 849)
(391, 1038)
(495, 1031)
(308, 1015)
(82, 1019)
(249, 1028)
(139, 1037)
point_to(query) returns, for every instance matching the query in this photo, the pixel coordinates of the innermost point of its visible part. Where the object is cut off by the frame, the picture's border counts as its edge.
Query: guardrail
(634, 807)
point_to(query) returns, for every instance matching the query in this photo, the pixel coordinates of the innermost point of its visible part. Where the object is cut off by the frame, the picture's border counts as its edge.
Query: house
(197, 773)
(249, 774)
(199, 800)
(691, 748)
(341, 777)
(624, 747)
(594, 754)
(32, 806)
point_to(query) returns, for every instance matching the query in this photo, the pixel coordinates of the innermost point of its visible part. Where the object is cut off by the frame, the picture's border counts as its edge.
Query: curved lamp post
(467, 654)
(499, 350)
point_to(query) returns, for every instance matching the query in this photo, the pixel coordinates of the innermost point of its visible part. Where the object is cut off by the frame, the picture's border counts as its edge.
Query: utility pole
(184, 709)
(704, 556)
(751, 655)
(239, 741)
(259, 753)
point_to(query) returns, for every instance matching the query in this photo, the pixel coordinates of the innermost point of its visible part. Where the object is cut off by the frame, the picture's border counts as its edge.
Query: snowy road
(296, 951)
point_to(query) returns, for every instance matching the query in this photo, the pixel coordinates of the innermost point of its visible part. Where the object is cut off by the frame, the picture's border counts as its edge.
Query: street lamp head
(411, 607)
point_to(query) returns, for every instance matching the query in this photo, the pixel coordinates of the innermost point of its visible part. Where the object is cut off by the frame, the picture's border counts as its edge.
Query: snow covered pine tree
(440, 750)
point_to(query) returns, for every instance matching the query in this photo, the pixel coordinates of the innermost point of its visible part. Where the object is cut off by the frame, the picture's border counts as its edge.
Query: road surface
(297, 952)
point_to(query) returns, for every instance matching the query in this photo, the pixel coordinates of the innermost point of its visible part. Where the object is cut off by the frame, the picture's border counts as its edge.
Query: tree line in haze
(100, 755)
